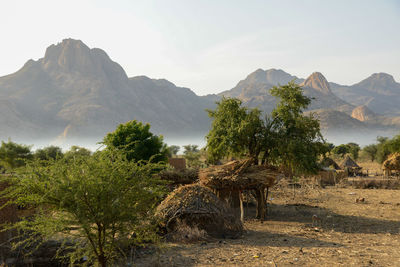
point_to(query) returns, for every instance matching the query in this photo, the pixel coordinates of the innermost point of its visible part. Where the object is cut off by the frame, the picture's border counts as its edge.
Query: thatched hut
(329, 163)
(392, 163)
(196, 205)
(229, 180)
(349, 165)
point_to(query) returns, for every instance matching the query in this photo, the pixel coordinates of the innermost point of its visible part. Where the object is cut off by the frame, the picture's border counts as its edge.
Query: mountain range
(77, 92)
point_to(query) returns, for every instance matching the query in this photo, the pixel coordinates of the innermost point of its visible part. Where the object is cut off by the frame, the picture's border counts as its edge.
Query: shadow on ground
(330, 220)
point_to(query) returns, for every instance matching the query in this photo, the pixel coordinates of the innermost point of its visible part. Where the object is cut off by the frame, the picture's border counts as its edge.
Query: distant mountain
(254, 90)
(75, 91)
(379, 92)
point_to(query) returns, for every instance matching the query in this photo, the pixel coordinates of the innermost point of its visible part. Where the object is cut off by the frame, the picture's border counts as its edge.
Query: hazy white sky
(210, 45)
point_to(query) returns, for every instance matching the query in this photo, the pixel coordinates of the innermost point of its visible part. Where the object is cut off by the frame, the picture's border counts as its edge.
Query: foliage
(102, 202)
(47, 153)
(387, 146)
(13, 155)
(370, 151)
(353, 150)
(135, 139)
(299, 141)
(341, 150)
(235, 130)
(192, 155)
(173, 150)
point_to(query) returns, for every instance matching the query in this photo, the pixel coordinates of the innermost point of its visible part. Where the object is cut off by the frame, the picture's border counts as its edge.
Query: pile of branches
(238, 175)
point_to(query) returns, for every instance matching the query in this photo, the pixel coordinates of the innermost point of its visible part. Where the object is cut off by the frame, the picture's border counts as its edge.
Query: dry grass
(349, 234)
(187, 234)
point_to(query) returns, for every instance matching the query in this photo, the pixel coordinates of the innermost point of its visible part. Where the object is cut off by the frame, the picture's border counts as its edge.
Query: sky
(210, 45)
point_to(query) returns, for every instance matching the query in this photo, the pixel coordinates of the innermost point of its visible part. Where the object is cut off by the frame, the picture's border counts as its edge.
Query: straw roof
(348, 162)
(328, 162)
(197, 206)
(238, 175)
(392, 162)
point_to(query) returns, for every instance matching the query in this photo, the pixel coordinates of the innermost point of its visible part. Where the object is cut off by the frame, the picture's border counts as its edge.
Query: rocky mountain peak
(270, 76)
(317, 81)
(363, 113)
(381, 78)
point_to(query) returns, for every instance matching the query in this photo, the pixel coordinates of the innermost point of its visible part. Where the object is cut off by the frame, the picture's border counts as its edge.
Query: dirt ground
(349, 234)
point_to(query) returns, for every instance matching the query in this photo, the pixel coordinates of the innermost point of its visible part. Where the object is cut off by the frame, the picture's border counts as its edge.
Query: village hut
(176, 177)
(350, 166)
(392, 163)
(229, 180)
(197, 206)
(328, 162)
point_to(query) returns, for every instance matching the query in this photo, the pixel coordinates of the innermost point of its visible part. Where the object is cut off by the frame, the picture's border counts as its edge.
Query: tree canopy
(235, 130)
(13, 155)
(300, 142)
(137, 142)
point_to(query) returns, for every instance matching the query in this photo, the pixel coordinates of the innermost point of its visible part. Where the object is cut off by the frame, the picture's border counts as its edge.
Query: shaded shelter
(349, 165)
(229, 180)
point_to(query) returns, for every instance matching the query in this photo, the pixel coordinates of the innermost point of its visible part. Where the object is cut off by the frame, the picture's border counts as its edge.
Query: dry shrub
(197, 206)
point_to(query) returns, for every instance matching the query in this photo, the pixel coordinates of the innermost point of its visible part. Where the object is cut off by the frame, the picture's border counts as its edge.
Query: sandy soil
(349, 234)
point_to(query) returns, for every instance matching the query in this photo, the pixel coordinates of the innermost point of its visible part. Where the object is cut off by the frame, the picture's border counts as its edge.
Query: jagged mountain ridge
(78, 92)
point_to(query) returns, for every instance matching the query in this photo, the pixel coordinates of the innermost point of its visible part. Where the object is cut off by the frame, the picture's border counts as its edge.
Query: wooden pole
(241, 206)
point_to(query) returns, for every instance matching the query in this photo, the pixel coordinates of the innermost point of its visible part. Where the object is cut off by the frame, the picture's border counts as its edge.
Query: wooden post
(241, 206)
(259, 204)
(262, 200)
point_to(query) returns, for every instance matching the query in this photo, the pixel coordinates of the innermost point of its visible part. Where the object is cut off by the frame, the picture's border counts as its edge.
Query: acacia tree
(137, 142)
(300, 141)
(235, 130)
(102, 202)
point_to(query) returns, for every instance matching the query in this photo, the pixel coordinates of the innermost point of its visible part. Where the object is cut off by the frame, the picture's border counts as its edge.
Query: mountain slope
(379, 92)
(75, 91)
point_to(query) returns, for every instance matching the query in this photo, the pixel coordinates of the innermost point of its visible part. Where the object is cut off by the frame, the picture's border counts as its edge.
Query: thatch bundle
(329, 163)
(180, 177)
(197, 206)
(238, 175)
(392, 162)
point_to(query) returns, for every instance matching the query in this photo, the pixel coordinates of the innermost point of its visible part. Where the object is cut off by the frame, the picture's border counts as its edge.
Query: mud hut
(350, 166)
(229, 180)
(392, 163)
(196, 205)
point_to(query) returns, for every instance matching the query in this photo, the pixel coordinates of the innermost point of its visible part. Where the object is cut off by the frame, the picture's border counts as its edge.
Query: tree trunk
(266, 201)
(262, 211)
(235, 200)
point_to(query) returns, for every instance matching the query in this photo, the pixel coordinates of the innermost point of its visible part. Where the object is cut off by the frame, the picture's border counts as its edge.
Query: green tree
(192, 155)
(353, 150)
(102, 202)
(136, 140)
(173, 150)
(300, 142)
(13, 155)
(370, 151)
(235, 130)
(341, 150)
(50, 152)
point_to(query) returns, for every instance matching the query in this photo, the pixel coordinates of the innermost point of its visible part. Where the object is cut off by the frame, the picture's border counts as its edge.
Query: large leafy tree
(300, 142)
(50, 152)
(235, 130)
(103, 203)
(137, 142)
(13, 155)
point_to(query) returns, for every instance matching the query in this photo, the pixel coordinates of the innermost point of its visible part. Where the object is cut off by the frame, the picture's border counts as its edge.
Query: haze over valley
(76, 94)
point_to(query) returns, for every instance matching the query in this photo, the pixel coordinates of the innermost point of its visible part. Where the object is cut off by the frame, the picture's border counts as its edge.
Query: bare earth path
(350, 234)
